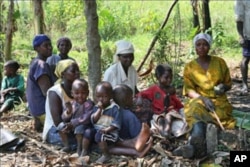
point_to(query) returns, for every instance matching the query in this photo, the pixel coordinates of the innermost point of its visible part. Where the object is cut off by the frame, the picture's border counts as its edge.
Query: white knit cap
(124, 47)
(206, 37)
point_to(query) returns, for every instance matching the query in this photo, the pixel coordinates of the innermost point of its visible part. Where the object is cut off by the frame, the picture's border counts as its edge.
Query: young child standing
(12, 88)
(106, 119)
(64, 45)
(77, 117)
(163, 98)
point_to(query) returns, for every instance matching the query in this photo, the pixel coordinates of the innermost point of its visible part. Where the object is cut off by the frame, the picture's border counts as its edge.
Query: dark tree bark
(207, 18)
(1, 40)
(38, 17)
(93, 44)
(196, 22)
(10, 29)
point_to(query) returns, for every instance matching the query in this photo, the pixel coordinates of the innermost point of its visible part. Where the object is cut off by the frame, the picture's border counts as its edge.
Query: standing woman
(206, 80)
(58, 95)
(39, 80)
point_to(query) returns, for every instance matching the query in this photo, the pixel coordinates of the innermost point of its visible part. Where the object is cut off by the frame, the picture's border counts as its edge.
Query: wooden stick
(156, 36)
(218, 120)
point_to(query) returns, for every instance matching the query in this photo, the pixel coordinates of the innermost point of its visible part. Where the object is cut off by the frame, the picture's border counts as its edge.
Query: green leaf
(239, 116)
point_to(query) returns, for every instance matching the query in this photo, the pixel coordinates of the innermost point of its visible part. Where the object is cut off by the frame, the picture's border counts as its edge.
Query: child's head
(64, 45)
(123, 95)
(11, 67)
(80, 90)
(164, 74)
(104, 93)
(42, 45)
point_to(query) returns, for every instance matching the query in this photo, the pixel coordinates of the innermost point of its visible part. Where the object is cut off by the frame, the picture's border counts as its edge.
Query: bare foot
(146, 148)
(143, 137)
(103, 159)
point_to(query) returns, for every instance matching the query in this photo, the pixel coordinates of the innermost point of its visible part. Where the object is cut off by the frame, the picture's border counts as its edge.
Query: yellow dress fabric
(203, 82)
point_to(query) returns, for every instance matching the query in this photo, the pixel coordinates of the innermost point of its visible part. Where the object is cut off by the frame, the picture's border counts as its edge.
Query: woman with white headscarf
(123, 72)
(206, 80)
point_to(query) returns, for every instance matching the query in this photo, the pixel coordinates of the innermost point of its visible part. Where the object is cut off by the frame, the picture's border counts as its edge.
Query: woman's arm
(55, 107)
(44, 83)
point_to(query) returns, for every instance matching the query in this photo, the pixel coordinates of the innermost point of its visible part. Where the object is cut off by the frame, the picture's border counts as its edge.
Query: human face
(202, 47)
(7, 71)
(165, 79)
(64, 47)
(71, 73)
(80, 93)
(103, 96)
(45, 49)
(126, 59)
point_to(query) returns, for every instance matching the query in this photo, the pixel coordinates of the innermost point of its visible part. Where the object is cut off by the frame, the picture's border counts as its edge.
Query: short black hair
(121, 93)
(106, 86)
(12, 64)
(81, 82)
(161, 69)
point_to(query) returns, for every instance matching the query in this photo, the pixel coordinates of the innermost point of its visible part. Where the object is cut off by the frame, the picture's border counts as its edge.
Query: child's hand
(99, 104)
(68, 127)
(104, 130)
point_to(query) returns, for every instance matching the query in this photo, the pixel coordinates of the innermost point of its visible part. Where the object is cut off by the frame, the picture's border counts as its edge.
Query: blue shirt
(35, 97)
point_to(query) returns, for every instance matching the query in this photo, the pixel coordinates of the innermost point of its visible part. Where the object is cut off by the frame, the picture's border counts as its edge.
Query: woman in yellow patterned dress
(206, 79)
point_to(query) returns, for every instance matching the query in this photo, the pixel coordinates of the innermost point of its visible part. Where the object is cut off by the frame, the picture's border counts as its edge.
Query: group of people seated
(120, 118)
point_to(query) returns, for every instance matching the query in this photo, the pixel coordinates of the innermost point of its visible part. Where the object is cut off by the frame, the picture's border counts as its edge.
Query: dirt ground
(35, 153)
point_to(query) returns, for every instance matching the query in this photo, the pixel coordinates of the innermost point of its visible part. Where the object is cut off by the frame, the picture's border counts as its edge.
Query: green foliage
(217, 33)
(113, 25)
(107, 55)
(136, 21)
(149, 22)
(168, 48)
(58, 13)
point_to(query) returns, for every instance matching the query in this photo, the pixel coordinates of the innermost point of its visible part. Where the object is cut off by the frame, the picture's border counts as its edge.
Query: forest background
(137, 21)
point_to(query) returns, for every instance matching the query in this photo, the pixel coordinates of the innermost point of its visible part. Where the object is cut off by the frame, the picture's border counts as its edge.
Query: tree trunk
(207, 19)
(38, 17)
(93, 44)
(196, 23)
(10, 29)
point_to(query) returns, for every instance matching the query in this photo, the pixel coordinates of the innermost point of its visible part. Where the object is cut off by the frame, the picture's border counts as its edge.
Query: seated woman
(206, 80)
(135, 136)
(57, 96)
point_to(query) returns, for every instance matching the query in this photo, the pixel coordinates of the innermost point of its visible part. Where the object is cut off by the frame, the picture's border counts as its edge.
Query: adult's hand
(208, 103)
(242, 42)
(220, 89)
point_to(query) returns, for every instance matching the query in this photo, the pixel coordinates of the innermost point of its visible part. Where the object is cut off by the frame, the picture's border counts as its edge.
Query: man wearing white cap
(123, 72)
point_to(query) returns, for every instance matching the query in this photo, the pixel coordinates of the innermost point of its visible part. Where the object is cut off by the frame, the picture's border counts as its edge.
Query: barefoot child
(77, 117)
(134, 136)
(12, 88)
(106, 119)
(164, 100)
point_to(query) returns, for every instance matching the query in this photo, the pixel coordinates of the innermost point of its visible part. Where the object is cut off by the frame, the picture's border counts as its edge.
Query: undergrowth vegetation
(136, 21)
